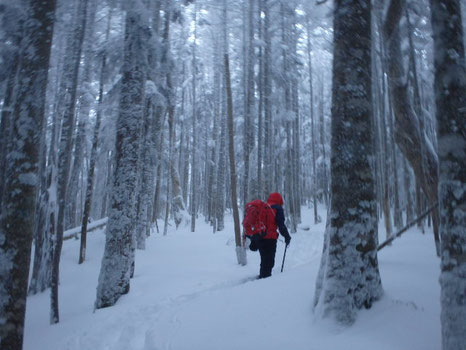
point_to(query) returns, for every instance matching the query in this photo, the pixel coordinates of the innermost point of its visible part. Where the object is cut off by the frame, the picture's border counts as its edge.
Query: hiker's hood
(275, 198)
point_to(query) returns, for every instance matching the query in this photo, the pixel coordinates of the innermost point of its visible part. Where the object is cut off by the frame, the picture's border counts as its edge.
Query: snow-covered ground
(189, 293)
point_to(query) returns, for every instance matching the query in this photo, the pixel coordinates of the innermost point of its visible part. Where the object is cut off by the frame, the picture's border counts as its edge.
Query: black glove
(253, 246)
(287, 240)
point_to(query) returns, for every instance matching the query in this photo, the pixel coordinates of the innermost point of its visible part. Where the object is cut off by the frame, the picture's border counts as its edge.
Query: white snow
(188, 292)
(90, 227)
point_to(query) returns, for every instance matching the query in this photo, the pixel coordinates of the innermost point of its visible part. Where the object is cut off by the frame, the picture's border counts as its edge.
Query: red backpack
(259, 219)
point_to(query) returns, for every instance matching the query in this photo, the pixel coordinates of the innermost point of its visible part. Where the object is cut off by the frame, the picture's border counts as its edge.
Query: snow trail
(189, 293)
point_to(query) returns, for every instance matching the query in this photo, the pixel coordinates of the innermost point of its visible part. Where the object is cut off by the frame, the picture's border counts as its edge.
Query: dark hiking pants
(267, 249)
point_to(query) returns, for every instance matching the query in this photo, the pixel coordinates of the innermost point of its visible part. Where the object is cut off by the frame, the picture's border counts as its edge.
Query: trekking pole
(284, 254)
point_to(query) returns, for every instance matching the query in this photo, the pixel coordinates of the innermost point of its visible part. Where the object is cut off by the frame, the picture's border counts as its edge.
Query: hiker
(268, 245)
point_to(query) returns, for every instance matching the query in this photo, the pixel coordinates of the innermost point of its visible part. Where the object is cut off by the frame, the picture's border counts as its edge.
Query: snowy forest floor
(189, 293)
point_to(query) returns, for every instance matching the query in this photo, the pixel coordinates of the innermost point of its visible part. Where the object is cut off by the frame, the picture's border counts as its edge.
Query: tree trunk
(383, 142)
(214, 149)
(66, 145)
(407, 183)
(95, 141)
(323, 137)
(41, 248)
(397, 219)
(5, 125)
(158, 130)
(170, 96)
(46, 222)
(221, 182)
(260, 117)
(86, 99)
(117, 262)
(17, 220)
(193, 206)
(268, 158)
(350, 278)
(311, 109)
(250, 98)
(407, 135)
(450, 99)
(240, 250)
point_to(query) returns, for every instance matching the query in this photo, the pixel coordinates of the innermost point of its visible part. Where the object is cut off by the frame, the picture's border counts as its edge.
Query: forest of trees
(151, 113)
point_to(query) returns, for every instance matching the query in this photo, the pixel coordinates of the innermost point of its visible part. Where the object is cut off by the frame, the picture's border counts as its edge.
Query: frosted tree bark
(214, 154)
(93, 157)
(323, 136)
(143, 196)
(386, 170)
(86, 98)
(65, 147)
(12, 22)
(350, 278)
(260, 112)
(450, 99)
(311, 108)
(287, 175)
(268, 159)
(178, 206)
(158, 176)
(240, 250)
(411, 143)
(183, 163)
(193, 206)
(41, 238)
(287, 171)
(17, 220)
(296, 188)
(250, 99)
(413, 77)
(221, 176)
(46, 219)
(408, 186)
(382, 135)
(5, 126)
(397, 219)
(170, 97)
(114, 278)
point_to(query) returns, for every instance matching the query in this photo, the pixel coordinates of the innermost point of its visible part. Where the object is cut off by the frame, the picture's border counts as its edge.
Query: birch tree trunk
(17, 220)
